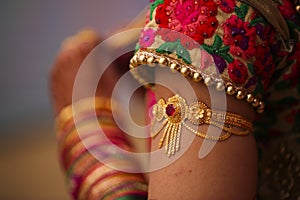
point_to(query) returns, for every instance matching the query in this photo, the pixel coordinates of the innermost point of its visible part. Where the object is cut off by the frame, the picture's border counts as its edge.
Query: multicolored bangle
(89, 177)
(104, 117)
(120, 185)
(84, 107)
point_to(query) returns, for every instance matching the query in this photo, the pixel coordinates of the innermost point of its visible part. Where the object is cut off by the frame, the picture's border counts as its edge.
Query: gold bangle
(82, 106)
(175, 112)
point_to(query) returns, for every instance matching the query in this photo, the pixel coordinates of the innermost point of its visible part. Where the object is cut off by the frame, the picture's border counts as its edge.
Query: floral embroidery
(263, 65)
(287, 10)
(227, 6)
(153, 5)
(251, 82)
(219, 53)
(175, 47)
(206, 60)
(240, 36)
(220, 63)
(266, 33)
(147, 38)
(238, 72)
(241, 11)
(193, 18)
(172, 36)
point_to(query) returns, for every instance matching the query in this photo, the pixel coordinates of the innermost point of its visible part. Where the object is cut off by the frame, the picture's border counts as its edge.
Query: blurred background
(31, 34)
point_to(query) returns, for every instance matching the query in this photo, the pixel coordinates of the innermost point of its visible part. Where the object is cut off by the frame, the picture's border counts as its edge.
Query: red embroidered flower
(264, 66)
(227, 6)
(266, 33)
(287, 9)
(238, 72)
(147, 38)
(173, 36)
(240, 36)
(194, 18)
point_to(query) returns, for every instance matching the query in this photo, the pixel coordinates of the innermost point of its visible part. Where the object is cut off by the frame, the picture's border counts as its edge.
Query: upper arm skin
(229, 171)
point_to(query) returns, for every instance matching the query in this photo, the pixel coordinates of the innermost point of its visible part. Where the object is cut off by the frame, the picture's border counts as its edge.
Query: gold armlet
(176, 113)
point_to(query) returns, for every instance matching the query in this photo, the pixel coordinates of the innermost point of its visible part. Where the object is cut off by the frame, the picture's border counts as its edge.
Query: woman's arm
(229, 171)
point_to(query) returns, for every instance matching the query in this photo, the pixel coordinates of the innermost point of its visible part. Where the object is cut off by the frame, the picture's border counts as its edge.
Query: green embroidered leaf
(137, 47)
(227, 57)
(167, 47)
(153, 6)
(258, 20)
(242, 11)
(217, 42)
(181, 52)
(224, 49)
(215, 47)
(207, 48)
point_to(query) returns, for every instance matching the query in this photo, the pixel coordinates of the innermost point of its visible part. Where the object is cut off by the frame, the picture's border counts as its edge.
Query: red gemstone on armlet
(170, 110)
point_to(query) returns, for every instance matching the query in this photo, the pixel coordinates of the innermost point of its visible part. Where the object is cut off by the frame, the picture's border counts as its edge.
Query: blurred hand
(70, 57)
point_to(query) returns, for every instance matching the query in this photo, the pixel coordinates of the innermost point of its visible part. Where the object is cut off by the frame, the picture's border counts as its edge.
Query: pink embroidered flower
(206, 60)
(147, 38)
(227, 6)
(168, 35)
(238, 72)
(188, 42)
(173, 36)
(240, 36)
(194, 18)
